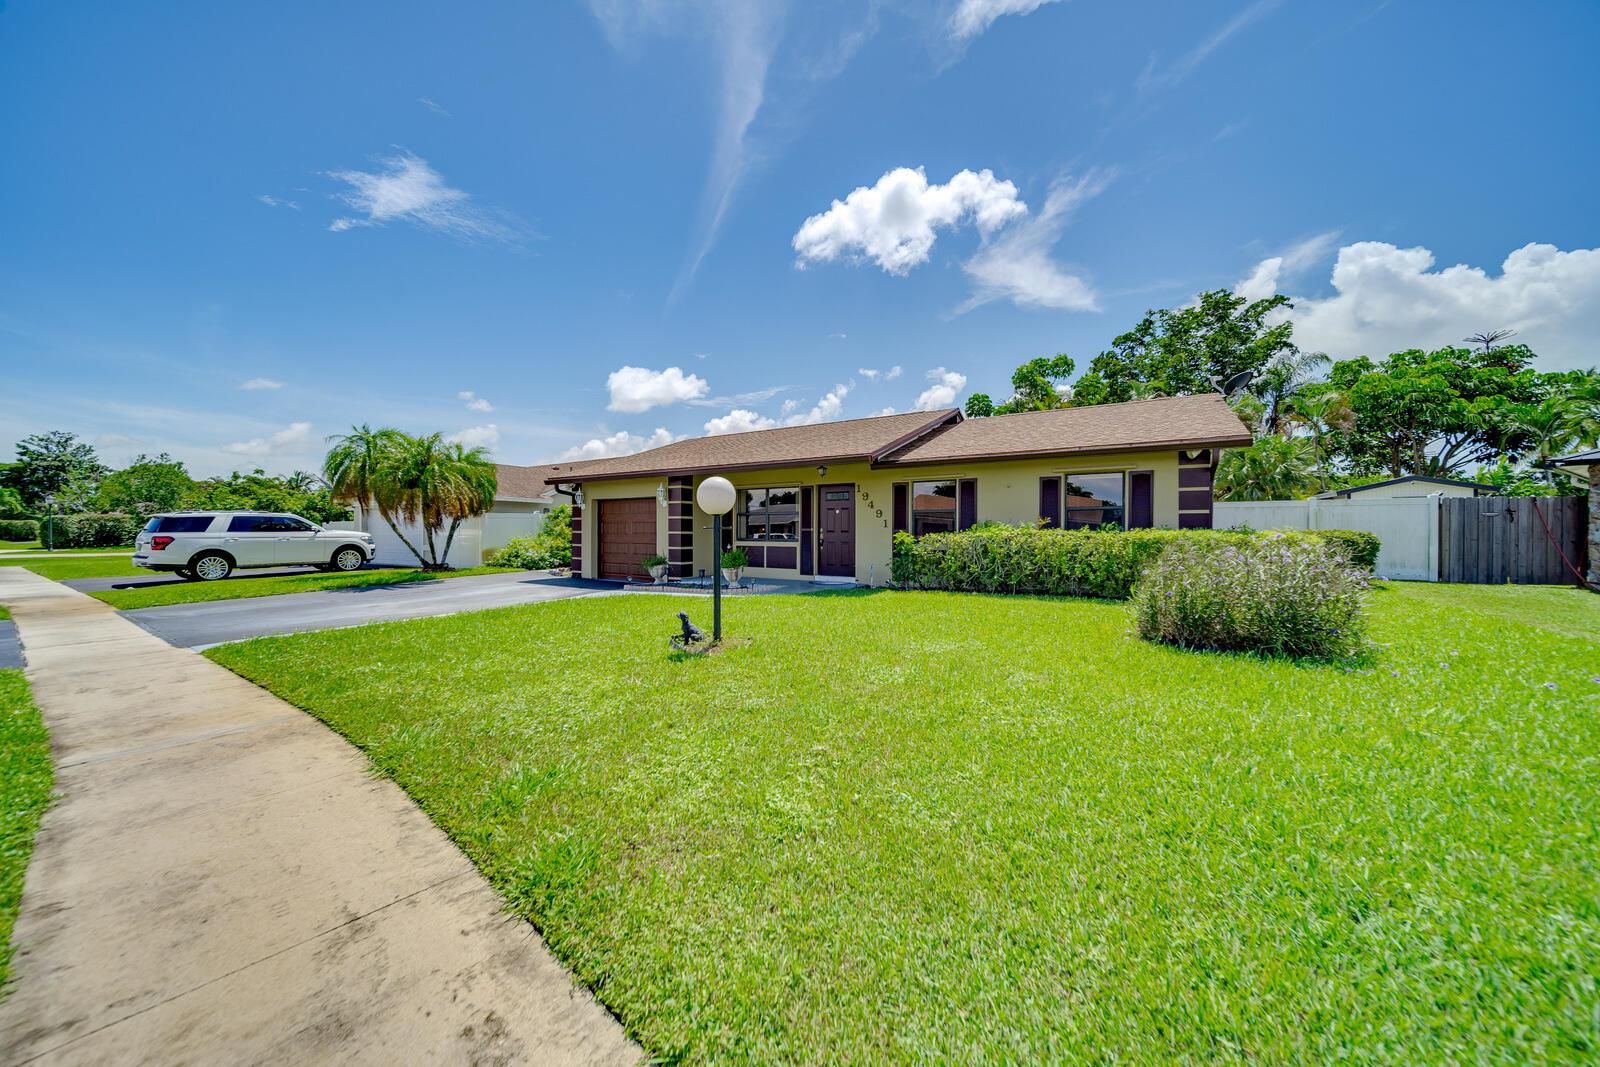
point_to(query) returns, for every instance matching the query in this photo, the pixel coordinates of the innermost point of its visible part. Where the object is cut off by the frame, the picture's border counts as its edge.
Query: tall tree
(147, 485)
(55, 462)
(1191, 349)
(437, 484)
(1037, 385)
(1436, 412)
(357, 465)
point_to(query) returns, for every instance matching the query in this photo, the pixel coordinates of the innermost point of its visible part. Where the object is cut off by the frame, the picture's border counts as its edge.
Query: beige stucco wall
(1008, 491)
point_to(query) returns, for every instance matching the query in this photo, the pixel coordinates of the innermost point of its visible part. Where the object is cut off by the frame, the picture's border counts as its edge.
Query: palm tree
(355, 469)
(1320, 414)
(1274, 468)
(1281, 381)
(433, 482)
(1550, 428)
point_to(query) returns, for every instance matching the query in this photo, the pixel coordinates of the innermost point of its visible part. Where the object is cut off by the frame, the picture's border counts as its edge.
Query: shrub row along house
(824, 501)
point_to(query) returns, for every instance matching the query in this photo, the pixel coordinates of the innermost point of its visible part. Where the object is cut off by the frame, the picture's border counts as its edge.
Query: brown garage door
(627, 536)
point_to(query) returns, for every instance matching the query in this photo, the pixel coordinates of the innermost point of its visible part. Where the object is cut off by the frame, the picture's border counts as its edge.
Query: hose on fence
(1561, 551)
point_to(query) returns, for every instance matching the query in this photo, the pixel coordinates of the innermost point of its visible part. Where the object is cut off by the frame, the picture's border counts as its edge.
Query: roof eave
(1044, 453)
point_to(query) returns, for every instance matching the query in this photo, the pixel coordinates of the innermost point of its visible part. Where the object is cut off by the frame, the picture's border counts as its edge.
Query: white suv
(210, 545)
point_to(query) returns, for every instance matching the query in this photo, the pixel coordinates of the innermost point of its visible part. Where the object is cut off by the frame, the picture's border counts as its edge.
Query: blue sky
(227, 231)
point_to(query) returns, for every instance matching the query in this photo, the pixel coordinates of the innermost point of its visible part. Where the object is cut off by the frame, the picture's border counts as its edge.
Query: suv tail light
(158, 543)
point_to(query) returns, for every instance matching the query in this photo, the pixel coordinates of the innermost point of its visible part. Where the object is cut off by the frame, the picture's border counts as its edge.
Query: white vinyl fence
(1407, 526)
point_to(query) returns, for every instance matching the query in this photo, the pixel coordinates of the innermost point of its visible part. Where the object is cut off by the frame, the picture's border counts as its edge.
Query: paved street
(204, 624)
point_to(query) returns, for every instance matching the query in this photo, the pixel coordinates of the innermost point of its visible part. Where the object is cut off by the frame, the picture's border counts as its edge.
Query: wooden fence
(1498, 539)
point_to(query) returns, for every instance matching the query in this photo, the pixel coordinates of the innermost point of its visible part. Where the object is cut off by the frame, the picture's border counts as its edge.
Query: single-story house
(1409, 486)
(823, 502)
(521, 501)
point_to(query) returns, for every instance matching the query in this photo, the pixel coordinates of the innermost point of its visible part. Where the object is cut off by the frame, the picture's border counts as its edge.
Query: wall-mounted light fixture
(661, 494)
(822, 470)
(577, 498)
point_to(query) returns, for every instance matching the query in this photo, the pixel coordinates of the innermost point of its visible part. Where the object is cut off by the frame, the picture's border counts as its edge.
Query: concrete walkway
(221, 880)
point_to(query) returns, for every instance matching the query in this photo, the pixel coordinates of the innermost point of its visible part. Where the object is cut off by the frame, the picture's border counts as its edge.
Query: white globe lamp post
(715, 497)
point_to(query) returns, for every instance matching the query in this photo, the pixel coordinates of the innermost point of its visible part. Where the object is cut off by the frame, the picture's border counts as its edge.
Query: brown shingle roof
(784, 446)
(522, 483)
(929, 437)
(1139, 425)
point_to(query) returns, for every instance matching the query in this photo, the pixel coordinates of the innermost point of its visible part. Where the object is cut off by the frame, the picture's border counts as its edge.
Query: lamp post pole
(716, 578)
(715, 497)
(49, 522)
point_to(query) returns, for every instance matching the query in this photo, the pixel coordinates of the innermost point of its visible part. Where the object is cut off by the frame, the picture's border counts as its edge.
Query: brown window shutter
(902, 506)
(1141, 500)
(1050, 501)
(966, 503)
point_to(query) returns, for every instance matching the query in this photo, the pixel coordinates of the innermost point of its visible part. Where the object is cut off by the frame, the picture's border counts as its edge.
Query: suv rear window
(178, 524)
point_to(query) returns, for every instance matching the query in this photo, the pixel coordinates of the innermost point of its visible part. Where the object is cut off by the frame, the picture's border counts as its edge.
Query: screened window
(933, 507)
(1093, 500)
(769, 515)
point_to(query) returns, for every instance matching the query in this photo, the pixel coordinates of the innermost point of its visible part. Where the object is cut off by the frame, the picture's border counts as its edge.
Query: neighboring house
(521, 502)
(1410, 485)
(824, 501)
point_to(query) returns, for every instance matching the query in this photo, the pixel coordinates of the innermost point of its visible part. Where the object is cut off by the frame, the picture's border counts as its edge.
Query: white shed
(1412, 485)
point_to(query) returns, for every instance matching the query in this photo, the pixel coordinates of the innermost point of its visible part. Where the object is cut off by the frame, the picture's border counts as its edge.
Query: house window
(769, 514)
(933, 507)
(1093, 500)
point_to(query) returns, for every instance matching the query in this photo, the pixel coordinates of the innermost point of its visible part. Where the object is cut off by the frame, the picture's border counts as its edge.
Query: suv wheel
(211, 566)
(348, 558)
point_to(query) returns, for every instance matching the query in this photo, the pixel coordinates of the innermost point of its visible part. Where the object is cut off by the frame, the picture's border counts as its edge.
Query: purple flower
(1549, 685)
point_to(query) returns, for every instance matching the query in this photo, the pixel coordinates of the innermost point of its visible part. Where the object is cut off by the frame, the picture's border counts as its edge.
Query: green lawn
(943, 827)
(64, 566)
(25, 778)
(35, 546)
(272, 585)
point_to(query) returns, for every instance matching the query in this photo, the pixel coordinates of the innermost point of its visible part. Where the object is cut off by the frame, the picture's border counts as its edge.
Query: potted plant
(734, 561)
(657, 566)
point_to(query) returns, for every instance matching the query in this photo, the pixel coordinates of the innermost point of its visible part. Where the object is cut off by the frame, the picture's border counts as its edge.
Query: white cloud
(872, 373)
(273, 201)
(947, 384)
(621, 443)
(892, 223)
(893, 372)
(477, 436)
(1155, 77)
(473, 401)
(790, 406)
(972, 17)
(260, 383)
(294, 438)
(406, 189)
(431, 106)
(837, 336)
(829, 407)
(883, 411)
(1387, 299)
(1016, 264)
(1264, 280)
(739, 420)
(635, 389)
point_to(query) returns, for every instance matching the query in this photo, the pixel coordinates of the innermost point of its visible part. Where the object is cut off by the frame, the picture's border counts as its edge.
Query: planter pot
(658, 573)
(732, 575)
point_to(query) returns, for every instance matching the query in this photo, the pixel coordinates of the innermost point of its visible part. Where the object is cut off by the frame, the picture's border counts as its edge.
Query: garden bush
(1358, 546)
(1278, 595)
(539, 552)
(19, 530)
(91, 530)
(994, 558)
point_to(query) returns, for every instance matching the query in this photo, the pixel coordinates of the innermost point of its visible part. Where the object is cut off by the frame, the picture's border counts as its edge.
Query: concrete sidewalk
(220, 880)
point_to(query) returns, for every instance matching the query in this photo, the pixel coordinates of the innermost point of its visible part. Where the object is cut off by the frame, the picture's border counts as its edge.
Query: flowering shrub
(1280, 595)
(1358, 546)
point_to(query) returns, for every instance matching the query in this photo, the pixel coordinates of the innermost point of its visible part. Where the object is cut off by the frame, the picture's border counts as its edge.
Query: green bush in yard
(19, 530)
(1358, 546)
(1279, 595)
(995, 558)
(90, 530)
(536, 553)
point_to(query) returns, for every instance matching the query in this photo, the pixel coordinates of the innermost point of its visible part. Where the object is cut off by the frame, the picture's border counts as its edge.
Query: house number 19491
(866, 500)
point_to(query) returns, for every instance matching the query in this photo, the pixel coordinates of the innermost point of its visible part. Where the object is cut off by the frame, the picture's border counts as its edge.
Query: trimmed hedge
(19, 530)
(994, 558)
(1358, 547)
(89, 530)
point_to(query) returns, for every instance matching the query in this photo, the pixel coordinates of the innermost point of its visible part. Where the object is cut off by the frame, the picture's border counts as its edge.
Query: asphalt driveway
(212, 623)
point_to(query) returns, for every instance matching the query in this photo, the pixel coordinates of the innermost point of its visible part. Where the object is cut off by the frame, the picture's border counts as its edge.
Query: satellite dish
(1237, 382)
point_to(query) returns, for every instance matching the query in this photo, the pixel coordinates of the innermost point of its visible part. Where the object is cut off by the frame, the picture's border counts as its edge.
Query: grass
(35, 546)
(180, 592)
(64, 567)
(944, 827)
(25, 780)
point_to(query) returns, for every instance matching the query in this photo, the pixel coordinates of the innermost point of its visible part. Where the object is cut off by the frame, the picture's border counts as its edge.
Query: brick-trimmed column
(680, 526)
(1594, 526)
(577, 540)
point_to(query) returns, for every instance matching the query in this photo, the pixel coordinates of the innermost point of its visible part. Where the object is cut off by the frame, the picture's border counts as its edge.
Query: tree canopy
(54, 462)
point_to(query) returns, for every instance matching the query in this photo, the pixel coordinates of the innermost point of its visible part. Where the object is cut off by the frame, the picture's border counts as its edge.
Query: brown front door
(836, 531)
(627, 536)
